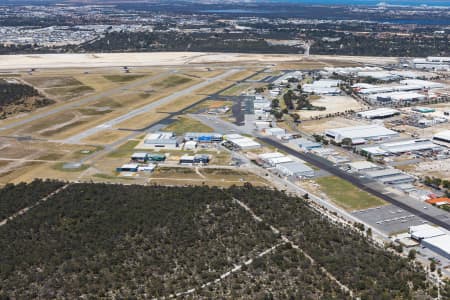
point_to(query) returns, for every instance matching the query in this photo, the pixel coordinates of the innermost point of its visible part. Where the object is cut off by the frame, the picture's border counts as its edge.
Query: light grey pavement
(74, 104)
(147, 108)
(389, 219)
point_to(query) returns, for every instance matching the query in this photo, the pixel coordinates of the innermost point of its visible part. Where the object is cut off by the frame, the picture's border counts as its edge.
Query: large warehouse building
(166, 140)
(242, 142)
(433, 238)
(424, 231)
(396, 98)
(439, 244)
(360, 134)
(295, 169)
(443, 136)
(379, 113)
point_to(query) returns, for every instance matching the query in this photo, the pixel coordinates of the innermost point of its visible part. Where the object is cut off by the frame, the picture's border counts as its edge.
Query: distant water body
(370, 2)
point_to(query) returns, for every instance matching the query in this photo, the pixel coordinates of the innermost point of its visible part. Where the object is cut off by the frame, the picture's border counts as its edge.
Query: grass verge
(346, 194)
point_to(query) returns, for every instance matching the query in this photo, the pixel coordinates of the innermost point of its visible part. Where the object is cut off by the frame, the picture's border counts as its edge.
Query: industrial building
(274, 161)
(274, 131)
(424, 231)
(323, 87)
(295, 169)
(147, 168)
(274, 158)
(379, 113)
(348, 71)
(362, 166)
(395, 98)
(156, 157)
(194, 159)
(128, 168)
(361, 134)
(433, 238)
(283, 80)
(306, 145)
(443, 136)
(141, 157)
(203, 137)
(369, 90)
(439, 244)
(408, 146)
(432, 63)
(380, 75)
(438, 201)
(190, 145)
(397, 148)
(424, 84)
(390, 176)
(162, 140)
(242, 142)
(265, 156)
(423, 110)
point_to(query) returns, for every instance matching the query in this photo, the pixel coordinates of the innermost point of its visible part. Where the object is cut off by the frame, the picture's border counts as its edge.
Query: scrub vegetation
(126, 241)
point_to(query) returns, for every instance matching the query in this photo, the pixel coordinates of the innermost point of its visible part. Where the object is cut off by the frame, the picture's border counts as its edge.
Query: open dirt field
(319, 126)
(435, 168)
(160, 59)
(333, 104)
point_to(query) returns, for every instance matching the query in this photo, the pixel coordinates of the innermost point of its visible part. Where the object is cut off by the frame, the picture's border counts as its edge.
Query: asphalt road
(37, 116)
(320, 163)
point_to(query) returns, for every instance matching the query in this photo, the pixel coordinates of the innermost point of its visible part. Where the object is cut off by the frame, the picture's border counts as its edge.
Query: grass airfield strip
(74, 120)
(109, 124)
(45, 113)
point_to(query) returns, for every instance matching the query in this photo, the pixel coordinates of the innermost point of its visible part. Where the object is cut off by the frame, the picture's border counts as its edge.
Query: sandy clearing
(319, 126)
(66, 60)
(333, 104)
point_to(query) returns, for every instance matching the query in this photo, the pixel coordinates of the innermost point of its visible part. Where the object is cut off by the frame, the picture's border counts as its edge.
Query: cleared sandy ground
(333, 104)
(13, 62)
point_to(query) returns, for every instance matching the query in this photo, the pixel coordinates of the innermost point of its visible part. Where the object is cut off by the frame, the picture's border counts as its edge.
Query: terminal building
(361, 134)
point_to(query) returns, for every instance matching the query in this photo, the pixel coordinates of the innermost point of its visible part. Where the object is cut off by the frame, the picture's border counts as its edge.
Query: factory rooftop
(409, 146)
(379, 113)
(366, 132)
(443, 136)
